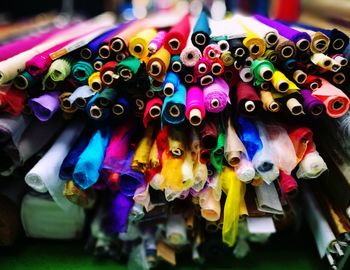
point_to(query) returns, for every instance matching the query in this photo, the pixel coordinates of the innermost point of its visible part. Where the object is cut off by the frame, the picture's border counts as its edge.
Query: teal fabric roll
(174, 107)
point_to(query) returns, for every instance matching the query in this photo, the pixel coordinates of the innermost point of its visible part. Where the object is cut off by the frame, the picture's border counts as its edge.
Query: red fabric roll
(12, 101)
(202, 67)
(302, 139)
(248, 101)
(231, 76)
(312, 82)
(208, 134)
(179, 31)
(287, 183)
(286, 10)
(109, 66)
(154, 102)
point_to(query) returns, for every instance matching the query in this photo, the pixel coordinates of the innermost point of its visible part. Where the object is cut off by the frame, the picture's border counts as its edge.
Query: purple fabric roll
(313, 107)
(216, 96)
(119, 214)
(284, 30)
(45, 106)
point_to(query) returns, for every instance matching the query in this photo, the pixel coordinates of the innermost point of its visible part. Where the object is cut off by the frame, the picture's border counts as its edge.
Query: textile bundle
(179, 125)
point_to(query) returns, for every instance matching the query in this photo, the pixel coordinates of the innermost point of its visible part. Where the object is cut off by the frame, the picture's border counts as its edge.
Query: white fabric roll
(312, 166)
(226, 29)
(42, 218)
(176, 233)
(44, 176)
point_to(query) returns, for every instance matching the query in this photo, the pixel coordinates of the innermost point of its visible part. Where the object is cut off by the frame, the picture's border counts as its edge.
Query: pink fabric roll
(194, 100)
(216, 96)
(202, 67)
(154, 103)
(287, 183)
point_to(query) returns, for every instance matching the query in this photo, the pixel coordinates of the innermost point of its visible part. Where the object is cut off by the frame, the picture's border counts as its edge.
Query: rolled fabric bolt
(216, 96)
(271, 55)
(223, 45)
(255, 44)
(43, 180)
(336, 102)
(285, 48)
(325, 62)
(95, 112)
(173, 110)
(82, 198)
(190, 54)
(153, 110)
(175, 229)
(156, 86)
(80, 95)
(311, 166)
(280, 82)
(81, 71)
(177, 143)
(245, 170)
(341, 60)
(339, 78)
(170, 83)
(208, 134)
(176, 64)
(299, 76)
(287, 183)
(138, 44)
(227, 58)
(233, 148)
(104, 52)
(210, 207)
(158, 64)
(156, 42)
(248, 101)
(294, 106)
(128, 68)
(201, 32)
(319, 41)
(45, 106)
(237, 48)
(24, 81)
(246, 75)
(59, 69)
(94, 82)
(226, 29)
(217, 67)
(216, 155)
(268, 102)
(231, 76)
(312, 105)
(188, 75)
(312, 82)
(212, 51)
(300, 39)
(175, 39)
(108, 76)
(106, 97)
(195, 110)
(98, 63)
(262, 70)
(121, 56)
(86, 171)
(65, 104)
(206, 80)
(202, 67)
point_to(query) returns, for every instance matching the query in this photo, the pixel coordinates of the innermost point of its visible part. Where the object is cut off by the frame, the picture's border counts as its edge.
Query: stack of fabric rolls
(172, 128)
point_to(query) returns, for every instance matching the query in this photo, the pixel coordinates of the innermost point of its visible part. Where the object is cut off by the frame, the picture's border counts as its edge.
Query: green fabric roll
(81, 71)
(131, 64)
(25, 81)
(60, 69)
(258, 65)
(106, 98)
(217, 154)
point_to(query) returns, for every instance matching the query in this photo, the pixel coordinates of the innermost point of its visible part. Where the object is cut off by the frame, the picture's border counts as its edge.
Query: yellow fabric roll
(153, 156)
(169, 166)
(252, 40)
(268, 101)
(278, 77)
(177, 142)
(316, 37)
(160, 60)
(140, 42)
(235, 191)
(94, 82)
(141, 157)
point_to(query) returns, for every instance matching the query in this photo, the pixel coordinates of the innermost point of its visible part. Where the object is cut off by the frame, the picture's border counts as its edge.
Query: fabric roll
(121, 107)
(81, 71)
(59, 70)
(86, 171)
(336, 102)
(25, 81)
(210, 207)
(267, 199)
(95, 82)
(269, 34)
(190, 53)
(202, 67)
(302, 140)
(234, 148)
(271, 55)
(176, 64)
(319, 41)
(325, 62)
(300, 39)
(106, 98)
(226, 29)
(128, 68)
(12, 128)
(280, 82)
(158, 64)
(246, 75)
(216, 96)
(285, 48)
(262, 70)
(41, 179)
(153, 110)
(288, 184)
(95, 112)
(174, 107)
(216, 155)
(138, 45)
(97, 63)
(170, 83)
(245, 170)
(195, 110)
(248, 101)
(67, 224)
(311, 166)
(80, 96)
(65, 105)
(313, 106)
(175, 229)
(119, 213)
(45, 106)
(108, 77)
(69, 162)
(217, 67)
(201, 32)
(235, 191)
(177, 142)
(156, 42)
(175, 39)
(82, 198)
(208, 134)
(12, 100)
(141, 157)
(212, 51)
(268, 101)
(237, 49)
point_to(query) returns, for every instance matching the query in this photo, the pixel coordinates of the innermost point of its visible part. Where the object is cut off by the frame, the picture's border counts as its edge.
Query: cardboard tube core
(150, 94)
(206, 80)
(85, 53)
(174, 111)
(202, 68)
(339, 78)
(200, 39)
(294, 106)
(138, 48)
(95, 112)
(216, 68)
(271, 39)
(303, 44)
(320, 44)
(282, 86)
(239, 52)
(168, 89)
(223, 45)
(233, 161)
(117, 45)
(195, 117)
(126, 74)
(249, 106)
(248, 62)
(21, 82)
(80, 102)
(299, 76)
(314, 85)
(104, 51)
(98, 65)
(66, 104)
(188, 78)
(265, 86)
(266, 73)
(154, 111)
(118, 109)
(174, 44)
(104, 102)
(96, 86)
(287, 51)
(176, 66)
(341, 60)
(337, 105)
(140, 104)
(317, 110)
(215, 103)
(156, 68)
(107, 77)
(273, 58)
(338, 44)
(152, 48)
(120, 57)
(274, 107)
(254, 49)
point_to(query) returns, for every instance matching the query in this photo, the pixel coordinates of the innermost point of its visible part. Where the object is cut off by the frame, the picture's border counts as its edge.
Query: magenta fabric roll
(40, 63)
(45, 106)
(216, 96)
(194, 100)
(284, 30)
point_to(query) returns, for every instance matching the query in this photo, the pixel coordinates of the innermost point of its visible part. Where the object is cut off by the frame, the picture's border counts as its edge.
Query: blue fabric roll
(172, 78)
(86, 172)
(68, 164)
(201, 27)
(249, 136)
(175, 104)
(289, 66)
(105, 112)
